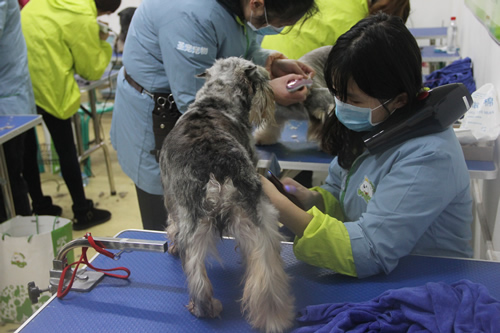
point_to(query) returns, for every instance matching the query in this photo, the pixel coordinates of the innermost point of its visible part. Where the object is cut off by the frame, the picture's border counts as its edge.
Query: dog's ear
(250, 70)
(263, 105)
(203, 75)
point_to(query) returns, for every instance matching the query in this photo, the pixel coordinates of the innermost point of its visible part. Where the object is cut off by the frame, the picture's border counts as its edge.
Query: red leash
(83, 259)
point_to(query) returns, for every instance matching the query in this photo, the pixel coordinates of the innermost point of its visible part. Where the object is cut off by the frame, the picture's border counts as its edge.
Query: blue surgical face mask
(355, 118)
(264, 31)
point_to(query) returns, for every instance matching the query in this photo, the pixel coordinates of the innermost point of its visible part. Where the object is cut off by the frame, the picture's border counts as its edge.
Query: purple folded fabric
(463, 306)
(459, 71)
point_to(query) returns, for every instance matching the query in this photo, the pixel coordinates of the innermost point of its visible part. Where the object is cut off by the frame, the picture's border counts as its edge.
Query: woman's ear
(255, 5)
(400, 100)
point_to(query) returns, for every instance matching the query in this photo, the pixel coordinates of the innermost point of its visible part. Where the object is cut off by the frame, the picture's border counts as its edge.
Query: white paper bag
(482, 121)
(28, 244)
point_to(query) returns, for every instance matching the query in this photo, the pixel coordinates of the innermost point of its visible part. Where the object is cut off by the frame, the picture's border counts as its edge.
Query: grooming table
(431, 33)
(293, 151)
(153, 299)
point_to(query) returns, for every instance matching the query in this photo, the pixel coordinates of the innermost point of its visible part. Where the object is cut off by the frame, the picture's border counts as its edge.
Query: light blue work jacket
(16, 92)
(169, 42)
(414, 198)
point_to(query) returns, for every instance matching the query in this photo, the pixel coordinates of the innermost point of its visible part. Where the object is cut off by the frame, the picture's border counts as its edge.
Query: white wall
(485, 54)
(433, 13)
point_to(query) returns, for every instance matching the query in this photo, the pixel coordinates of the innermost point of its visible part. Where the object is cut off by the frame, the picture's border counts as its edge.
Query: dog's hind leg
(193, 249)
(267, 300)
(172, 231)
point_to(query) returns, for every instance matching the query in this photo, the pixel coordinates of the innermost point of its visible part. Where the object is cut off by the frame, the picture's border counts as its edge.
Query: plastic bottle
(451, 45)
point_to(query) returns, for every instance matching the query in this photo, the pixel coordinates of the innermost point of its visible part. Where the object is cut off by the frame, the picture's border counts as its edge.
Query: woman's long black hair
(381, 55)
(285, 10)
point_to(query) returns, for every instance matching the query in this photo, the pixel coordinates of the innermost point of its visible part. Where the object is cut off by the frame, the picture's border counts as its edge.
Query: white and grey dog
(314, 109)
(211, 186)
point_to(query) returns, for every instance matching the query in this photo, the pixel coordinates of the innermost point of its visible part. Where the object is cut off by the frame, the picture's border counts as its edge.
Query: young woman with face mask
(169, 42)
(411, 198)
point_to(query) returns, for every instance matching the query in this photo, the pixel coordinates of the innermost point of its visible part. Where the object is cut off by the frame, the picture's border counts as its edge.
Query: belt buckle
(144, 91)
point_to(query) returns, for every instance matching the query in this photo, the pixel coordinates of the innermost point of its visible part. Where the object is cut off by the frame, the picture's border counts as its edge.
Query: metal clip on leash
(63, 279)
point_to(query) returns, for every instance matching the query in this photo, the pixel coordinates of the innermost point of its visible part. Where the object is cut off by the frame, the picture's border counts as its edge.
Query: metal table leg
(5, 184)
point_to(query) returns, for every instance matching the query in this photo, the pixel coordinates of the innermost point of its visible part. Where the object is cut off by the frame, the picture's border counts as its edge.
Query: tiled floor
(123, 205)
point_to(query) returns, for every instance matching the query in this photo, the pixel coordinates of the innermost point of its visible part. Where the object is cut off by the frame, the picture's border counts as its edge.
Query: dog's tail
(218, 201)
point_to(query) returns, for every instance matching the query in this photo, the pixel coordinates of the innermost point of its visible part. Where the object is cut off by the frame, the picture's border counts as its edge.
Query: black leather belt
(165, 114)
(136, 85)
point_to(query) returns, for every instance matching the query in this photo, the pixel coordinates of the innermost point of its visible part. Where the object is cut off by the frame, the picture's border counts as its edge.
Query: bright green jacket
(326, 242)
(334, 19)
(62, 37)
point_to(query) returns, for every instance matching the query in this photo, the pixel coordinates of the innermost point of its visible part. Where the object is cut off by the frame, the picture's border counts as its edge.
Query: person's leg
(61, 133)
(13, 150)
(42, 205)
(153, 212)
(85, 214)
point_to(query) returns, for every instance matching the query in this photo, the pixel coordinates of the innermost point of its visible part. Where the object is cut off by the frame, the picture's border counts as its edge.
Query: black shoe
(86, 217)
(45, 207)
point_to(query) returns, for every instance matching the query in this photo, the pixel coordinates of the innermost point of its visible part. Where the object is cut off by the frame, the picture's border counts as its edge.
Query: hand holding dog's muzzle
(281, 67)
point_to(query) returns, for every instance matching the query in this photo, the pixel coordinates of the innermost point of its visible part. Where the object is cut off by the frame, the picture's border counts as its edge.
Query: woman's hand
(290, 215)
(103, 30)
(307, 198)
(282, 95)
(281, 67)
(103, 35)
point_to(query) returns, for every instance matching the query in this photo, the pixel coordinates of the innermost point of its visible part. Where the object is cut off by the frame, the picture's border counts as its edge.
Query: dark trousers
(62, 136)
(31, 172)
(153, 212)
(14, 152)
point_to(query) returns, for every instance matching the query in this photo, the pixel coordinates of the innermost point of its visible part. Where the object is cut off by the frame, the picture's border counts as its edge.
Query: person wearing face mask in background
(167, 45)
(411, 198)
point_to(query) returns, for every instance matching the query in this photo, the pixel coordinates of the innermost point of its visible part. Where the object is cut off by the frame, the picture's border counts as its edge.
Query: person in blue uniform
(373, 209)
(168, 44)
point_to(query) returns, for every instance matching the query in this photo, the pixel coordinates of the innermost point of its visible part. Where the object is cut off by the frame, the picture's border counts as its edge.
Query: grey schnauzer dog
(211, 187)
(314, 109)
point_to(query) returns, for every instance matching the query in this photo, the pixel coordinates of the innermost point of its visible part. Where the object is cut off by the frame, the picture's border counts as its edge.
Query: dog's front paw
(172, 249)
(210, 309)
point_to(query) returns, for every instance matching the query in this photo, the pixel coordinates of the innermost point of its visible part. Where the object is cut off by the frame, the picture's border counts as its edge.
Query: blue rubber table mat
(12, 125)
(294, 147)
(153, 299)
(480, 165)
